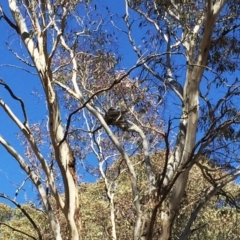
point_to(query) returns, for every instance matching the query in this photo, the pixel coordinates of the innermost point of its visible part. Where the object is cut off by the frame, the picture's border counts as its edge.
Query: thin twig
(25, 214)
(18, 99)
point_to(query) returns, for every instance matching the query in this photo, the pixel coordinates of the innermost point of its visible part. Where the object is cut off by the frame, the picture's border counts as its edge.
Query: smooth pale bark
(189, 119)
(63, 153)
(187, 128)
(36, 181)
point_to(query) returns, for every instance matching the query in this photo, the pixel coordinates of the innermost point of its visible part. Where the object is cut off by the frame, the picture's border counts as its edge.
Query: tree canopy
(140, 95)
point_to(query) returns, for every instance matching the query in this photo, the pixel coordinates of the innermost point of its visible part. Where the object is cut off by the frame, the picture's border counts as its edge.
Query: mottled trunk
(189, 119)
(62, 150)
(166, 225)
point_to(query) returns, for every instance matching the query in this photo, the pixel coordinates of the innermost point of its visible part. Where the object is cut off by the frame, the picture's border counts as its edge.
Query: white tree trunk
(63, 153)
(189, 118)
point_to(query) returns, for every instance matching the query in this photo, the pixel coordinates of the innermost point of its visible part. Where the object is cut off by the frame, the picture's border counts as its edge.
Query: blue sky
(22, 84)
(28, 87)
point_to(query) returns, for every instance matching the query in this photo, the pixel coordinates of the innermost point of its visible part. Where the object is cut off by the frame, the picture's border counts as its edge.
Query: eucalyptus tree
(180, 96)
(199, 41)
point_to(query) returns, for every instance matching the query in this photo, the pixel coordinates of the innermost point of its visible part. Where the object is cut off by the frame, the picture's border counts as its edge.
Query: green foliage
(218, 220)
(215, 221)
(5, 212)
(184, 51)
(14, 223)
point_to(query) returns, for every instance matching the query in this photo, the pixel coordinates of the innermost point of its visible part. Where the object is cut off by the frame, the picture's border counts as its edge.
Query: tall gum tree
(183, 28)
(185, 52)
(63, 154)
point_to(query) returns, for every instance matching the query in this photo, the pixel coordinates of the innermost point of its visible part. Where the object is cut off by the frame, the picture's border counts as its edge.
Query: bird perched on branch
(116, 117)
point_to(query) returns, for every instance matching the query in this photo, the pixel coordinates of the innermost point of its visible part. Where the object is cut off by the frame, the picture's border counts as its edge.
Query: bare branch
(18, 99)
(149, 168)
(26, 131)
(17, 230)
(211, 192)
(25, 214)
(18, 57)
(36, 181)
(17, 67)
(115, 82)
(9, 22)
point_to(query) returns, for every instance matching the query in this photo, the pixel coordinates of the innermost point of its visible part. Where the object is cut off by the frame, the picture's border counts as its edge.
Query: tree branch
(18, 99)
(25, 213)
(17, 230)
(9, 22)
